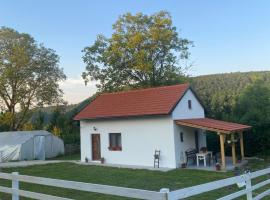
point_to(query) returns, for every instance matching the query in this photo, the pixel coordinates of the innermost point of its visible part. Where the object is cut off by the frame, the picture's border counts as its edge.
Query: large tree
(29, 76)
(253, 108)
(143, 51)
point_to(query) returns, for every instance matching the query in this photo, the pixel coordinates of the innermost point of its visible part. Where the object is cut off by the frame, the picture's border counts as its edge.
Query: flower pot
(218, 167)
(183, 165)
(102, 160)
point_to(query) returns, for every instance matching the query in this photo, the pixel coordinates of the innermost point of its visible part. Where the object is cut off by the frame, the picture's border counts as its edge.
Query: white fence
(244, 180)
(163, 194)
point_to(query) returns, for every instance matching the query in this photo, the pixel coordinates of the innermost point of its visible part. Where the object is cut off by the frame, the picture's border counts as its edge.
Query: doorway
(39, 147)
(197, 140)
(96, 155)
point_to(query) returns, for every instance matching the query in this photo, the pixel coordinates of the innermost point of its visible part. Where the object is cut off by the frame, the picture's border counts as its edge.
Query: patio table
(203, 156)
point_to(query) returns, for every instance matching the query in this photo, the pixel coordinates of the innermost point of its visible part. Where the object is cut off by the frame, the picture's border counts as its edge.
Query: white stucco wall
(140, 138)
(143, 135)
(182, 111)
(188, 142)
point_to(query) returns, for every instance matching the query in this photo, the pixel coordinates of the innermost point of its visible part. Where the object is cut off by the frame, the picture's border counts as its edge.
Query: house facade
(126, 128)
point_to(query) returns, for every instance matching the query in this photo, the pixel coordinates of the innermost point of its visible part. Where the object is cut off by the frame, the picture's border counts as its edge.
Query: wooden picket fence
(163, 194)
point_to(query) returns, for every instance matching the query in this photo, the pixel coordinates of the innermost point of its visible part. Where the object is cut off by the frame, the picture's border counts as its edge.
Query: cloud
(76, 91)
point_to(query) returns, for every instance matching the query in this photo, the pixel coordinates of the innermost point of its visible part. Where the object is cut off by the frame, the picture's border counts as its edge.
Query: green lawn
(144, 179)
(68, 157)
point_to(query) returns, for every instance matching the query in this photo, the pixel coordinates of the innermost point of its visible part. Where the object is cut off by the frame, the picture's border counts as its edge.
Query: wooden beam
(179, 122)
(222, 150)
(242, 146)
(201, 127)
(233, 149)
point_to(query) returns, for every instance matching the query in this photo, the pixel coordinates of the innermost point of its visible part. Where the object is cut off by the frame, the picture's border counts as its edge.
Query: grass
(141, 179)
(68, 157)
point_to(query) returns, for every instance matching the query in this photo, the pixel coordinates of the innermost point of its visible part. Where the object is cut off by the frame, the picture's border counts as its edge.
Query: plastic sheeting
(39, 147)
(29, 145)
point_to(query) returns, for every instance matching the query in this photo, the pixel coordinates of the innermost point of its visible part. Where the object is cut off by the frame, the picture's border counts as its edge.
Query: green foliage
(62, 118)
(5, 120)
(28, 126)
(238, 97)
(29, 75)
(39, 121)
(61, 124)
(253, 108)
(219, 92)
(143, 51)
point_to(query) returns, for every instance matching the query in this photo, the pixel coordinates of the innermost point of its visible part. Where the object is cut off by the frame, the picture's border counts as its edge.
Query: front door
(96, 147)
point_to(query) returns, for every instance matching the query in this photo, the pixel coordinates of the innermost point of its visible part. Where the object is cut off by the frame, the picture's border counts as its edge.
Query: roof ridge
(143, 89)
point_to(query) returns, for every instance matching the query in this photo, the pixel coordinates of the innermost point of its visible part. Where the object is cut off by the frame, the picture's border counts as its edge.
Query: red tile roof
(213, 125)
(151, 101)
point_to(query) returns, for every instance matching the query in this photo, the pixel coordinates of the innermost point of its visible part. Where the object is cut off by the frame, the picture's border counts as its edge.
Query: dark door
(197, 140)
(96, 147)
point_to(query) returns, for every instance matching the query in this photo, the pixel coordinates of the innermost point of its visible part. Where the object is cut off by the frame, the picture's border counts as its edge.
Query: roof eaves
(122, 117)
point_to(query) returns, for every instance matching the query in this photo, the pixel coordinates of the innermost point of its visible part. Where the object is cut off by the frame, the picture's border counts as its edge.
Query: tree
(38, 120)
(62, 124)
(29, 75)
(253, 108)
(143, 51)
(219, 92)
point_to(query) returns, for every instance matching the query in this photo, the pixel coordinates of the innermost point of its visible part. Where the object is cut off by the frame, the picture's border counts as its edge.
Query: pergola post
(242, 145)
(222, 150)
(233, 149)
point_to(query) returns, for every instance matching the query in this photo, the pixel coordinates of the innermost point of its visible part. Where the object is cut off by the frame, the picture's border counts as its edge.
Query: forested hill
(219, 92)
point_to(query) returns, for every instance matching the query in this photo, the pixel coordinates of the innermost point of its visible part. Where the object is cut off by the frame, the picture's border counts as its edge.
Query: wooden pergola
(222, 128)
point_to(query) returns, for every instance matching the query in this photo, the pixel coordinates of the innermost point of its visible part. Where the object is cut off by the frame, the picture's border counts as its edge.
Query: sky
(228, 36)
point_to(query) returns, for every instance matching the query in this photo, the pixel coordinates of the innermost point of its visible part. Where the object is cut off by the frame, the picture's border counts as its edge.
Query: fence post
(165, 191)
(15, 187)
(248, 186)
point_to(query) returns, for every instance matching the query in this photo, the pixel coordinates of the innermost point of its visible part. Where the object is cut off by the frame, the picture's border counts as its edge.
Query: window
(189, 104)
(181, 136)
(115, 143)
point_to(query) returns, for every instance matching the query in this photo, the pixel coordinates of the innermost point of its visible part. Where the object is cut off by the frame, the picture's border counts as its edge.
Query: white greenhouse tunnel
(29, 145)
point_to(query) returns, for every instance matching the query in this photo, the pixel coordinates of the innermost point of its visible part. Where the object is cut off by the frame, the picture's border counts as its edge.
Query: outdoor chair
(191, 155)
(156, 158)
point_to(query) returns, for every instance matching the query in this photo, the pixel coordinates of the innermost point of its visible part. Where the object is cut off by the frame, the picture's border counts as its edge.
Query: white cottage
(126, 128)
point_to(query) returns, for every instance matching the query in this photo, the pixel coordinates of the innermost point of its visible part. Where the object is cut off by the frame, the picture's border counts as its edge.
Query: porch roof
(213, 125)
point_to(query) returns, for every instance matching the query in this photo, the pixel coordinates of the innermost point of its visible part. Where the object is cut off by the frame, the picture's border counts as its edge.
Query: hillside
(219, 92)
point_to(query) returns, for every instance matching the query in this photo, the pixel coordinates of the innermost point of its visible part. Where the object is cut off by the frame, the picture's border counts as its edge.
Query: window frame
(181, 136)
(189, 104)
(118, 142)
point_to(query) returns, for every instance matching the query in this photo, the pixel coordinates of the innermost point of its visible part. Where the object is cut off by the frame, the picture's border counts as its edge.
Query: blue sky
(228, 35)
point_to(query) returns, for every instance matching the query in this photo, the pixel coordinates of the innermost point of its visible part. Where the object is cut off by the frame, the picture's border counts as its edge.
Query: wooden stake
(242, 146)
(233, 149)
(222, 150)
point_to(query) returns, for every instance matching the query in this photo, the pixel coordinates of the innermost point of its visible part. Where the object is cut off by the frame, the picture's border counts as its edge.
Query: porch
(229, 133)
(212, 167)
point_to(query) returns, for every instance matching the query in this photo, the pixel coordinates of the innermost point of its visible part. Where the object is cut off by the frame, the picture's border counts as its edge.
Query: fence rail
(163, 194)
(245, 179)
(88, 187)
